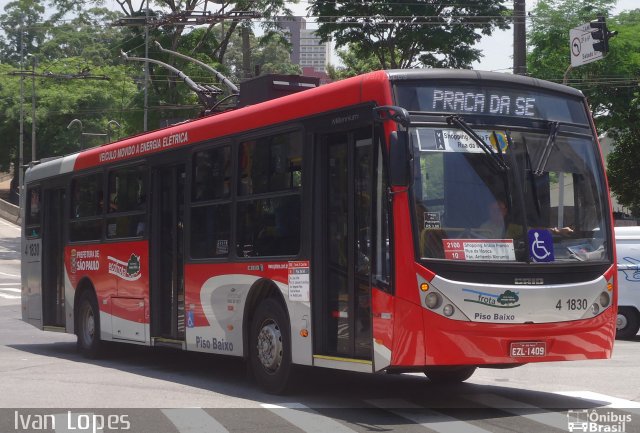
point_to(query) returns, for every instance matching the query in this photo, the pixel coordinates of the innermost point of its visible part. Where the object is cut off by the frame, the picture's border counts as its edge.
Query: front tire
(88, 326)
(449, 375)
(627, 323)
(270, 347)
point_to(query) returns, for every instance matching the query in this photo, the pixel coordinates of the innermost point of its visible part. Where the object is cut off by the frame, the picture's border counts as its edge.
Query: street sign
(581, 45)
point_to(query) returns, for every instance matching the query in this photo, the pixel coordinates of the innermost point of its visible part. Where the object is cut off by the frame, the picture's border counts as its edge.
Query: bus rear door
(167, 254)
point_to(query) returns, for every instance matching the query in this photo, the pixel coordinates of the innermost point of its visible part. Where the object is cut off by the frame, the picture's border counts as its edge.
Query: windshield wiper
(496, 157)
(554, 127)
(532, 181)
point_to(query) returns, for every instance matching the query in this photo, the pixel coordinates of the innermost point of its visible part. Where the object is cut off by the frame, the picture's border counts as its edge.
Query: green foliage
(270, 52)
(411, 33)
(75, 39)
(20, 16)
(609, 84)
(355, 62)
(623, 166)
(58, 102)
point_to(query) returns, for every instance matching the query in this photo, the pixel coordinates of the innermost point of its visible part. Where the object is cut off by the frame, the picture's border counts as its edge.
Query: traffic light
(600, 36)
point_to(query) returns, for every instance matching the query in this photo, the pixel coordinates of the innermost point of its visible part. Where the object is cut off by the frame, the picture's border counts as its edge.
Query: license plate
(528, 349)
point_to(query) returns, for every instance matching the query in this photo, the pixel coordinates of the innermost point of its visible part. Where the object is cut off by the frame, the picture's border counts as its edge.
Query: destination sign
(465, 98)
(484, 103)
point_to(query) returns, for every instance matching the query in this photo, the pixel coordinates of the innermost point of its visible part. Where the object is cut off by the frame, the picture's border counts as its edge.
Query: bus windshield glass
(544, 200)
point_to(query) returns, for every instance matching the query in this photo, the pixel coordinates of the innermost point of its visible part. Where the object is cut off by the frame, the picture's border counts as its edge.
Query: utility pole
(21, 145)
(33, 111)
(519, 38)
(246, 53)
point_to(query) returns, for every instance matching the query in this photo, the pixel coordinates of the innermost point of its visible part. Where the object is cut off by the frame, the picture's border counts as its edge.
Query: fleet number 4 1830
(572, 304)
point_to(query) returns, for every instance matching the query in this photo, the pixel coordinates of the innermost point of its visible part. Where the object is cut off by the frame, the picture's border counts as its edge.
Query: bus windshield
(544, 200)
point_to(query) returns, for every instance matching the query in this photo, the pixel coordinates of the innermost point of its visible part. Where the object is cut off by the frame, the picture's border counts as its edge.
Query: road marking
(5, 296)
(427, 418)
(306, 418)
(518, 408)
(194, 420)
(602, 399)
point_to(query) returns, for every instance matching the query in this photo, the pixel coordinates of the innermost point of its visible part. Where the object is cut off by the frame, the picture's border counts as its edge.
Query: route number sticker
(478, 249)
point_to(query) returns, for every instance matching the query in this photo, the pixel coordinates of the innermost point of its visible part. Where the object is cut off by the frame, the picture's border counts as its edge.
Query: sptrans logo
(129, 271)
(585, 420)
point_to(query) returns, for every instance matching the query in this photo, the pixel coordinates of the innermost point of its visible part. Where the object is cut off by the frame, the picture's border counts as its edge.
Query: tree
(355, 62)
(623, 166)
(20, 29)
(76, 39)
(411, 33)
(609, 84)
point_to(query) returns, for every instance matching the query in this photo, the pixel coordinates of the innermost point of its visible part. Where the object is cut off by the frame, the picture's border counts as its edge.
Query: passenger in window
(113, 202)
(246, 184)
(100, 202)
(498, 227)
(494, 226)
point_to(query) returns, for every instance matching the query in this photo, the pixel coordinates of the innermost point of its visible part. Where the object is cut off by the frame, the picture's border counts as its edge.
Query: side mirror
(399, 152)
(399, 159)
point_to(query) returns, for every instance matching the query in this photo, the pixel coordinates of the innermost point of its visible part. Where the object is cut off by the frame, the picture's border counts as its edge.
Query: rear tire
(627, 323)
(270, 347)
(449, 375)
(88, 329)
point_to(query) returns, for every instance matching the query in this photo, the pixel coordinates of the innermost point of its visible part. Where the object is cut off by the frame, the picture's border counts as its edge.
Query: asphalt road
(45, 385)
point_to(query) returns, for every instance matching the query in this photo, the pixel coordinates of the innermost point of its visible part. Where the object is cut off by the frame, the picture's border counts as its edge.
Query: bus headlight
(604, 299)
(595, 309)
(433, 300)
(448, 310)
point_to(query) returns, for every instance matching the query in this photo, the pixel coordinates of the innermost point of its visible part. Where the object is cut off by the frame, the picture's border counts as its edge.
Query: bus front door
(343, 246)
(167, 254)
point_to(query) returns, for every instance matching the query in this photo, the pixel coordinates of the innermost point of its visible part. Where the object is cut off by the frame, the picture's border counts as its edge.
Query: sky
(497, 49)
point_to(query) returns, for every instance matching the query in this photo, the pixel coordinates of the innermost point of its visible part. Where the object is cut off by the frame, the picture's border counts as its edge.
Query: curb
(10, 212)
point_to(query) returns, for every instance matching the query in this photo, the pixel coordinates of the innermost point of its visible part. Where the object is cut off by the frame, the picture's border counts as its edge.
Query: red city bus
(426, 220)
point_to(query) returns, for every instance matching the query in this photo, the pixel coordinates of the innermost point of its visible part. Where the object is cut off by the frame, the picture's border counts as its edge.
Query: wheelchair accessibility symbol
(190, 323)
(541, 246)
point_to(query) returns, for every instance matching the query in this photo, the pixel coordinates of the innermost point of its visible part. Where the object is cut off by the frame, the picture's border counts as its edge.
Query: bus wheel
(449, 374)
(627, 323)
(270, 347)
(88, 329)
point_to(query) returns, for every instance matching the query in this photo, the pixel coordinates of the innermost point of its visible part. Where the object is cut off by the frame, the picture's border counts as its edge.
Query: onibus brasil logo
(129, 271)
(508, 299)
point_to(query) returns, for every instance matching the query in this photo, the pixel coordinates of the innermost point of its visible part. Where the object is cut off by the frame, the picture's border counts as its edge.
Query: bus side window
(127, 202)
(87, 201)
(34, 198)
(270, 164)
(211, 208)
(270, 226)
